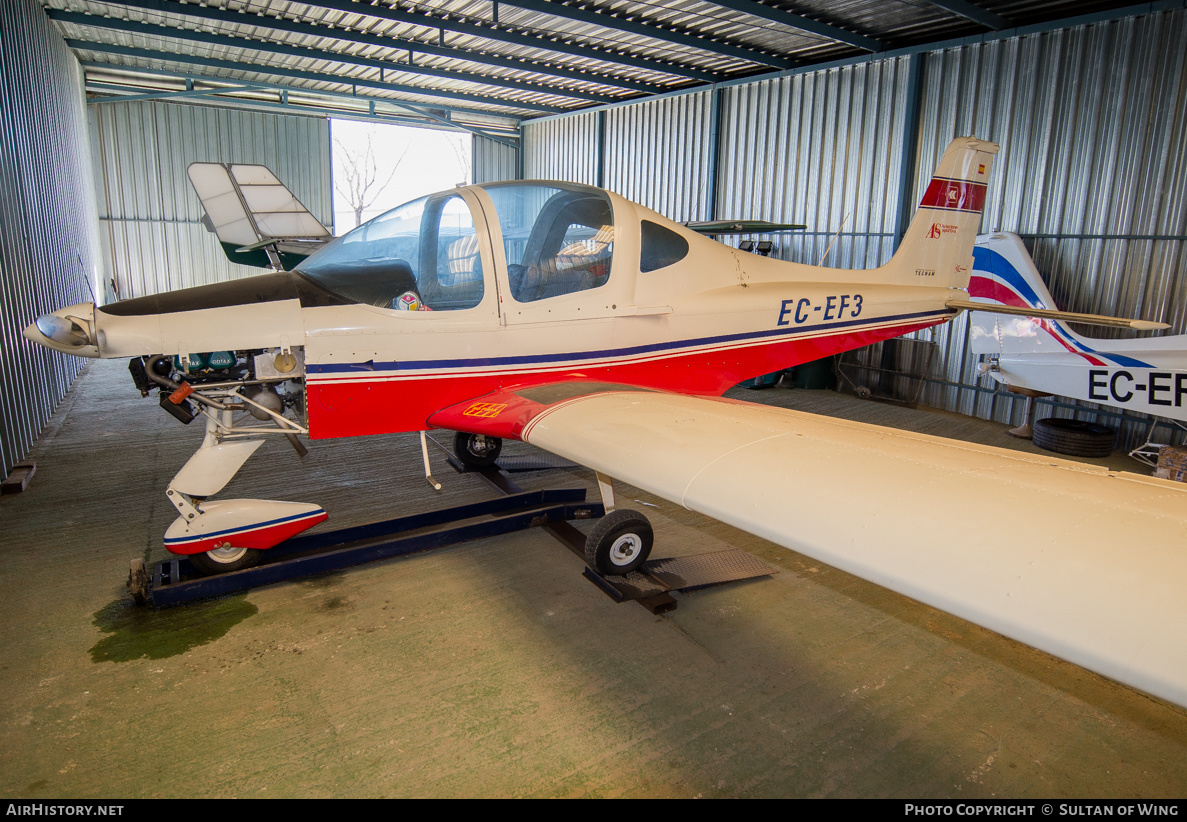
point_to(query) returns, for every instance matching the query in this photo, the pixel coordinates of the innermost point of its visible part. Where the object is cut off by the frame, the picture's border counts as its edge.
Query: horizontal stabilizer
(1064, 316)
(741, 227)
(257, 219)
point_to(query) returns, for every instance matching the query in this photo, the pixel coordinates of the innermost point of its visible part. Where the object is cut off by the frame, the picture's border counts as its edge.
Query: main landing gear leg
(619, 542)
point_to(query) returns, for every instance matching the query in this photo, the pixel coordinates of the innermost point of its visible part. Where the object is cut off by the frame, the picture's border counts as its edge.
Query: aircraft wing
(251, 212)
(1073, 559)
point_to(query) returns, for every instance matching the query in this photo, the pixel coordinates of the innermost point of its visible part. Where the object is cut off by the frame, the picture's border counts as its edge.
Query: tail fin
(257, 219)
(937, 249)
(1005, 275)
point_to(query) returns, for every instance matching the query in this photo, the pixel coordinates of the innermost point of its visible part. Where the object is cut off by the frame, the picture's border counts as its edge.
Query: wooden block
(18, 478)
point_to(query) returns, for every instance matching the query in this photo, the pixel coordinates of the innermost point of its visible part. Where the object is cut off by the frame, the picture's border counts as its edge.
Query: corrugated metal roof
(511, 59)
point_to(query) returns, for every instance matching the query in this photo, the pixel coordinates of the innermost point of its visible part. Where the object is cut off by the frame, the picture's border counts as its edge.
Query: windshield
(421, 256)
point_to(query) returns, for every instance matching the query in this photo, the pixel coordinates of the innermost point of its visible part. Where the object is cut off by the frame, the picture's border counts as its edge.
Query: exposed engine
(267, 384)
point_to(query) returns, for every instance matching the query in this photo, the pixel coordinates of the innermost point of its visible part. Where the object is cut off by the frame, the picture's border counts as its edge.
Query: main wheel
(225, 559)
(1075, 438)
(477, 451)
(619, 543)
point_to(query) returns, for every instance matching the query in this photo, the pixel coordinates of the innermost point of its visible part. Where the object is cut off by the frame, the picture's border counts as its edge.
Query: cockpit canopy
(558, 239)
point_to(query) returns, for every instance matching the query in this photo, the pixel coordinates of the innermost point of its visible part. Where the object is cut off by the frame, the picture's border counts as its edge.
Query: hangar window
(420, 256)
(660, 247)
(559, 239)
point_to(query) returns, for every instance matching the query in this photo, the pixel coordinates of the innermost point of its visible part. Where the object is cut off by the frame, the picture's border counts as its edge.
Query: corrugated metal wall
(494, 161)
(562, 149)
(1093, 171)
(657, 154)
(1092, 122)
(822, 149)
(148, 212)
(49, 248)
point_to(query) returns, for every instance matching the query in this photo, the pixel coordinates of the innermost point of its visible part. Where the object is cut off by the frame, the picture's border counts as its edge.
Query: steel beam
(291, 106)
(139, 94)
(801, 23)
(245, 18)
(319, 54)
(969, 11)
(279, 71)
(499, 34)
(908, 166)
(655, 32)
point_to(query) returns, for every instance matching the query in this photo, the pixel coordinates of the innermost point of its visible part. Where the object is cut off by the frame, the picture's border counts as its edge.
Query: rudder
(937, 249)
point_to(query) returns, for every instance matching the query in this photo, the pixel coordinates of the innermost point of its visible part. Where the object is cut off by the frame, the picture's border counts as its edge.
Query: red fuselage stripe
(387, 406)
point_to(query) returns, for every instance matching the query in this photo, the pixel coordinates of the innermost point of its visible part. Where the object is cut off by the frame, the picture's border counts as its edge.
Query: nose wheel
(477, 451)
(619, 543)
(224, 559)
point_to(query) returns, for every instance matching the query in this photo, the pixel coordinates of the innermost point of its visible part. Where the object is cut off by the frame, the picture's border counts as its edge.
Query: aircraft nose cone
(69, 330)
(60, 330)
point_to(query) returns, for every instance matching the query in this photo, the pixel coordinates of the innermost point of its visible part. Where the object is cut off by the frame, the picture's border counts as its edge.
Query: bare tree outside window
(378, 166)
(359, 181)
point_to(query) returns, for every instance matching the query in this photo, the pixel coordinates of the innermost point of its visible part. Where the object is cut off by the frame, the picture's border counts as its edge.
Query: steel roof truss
(973, 12)
(320, 54)
(284, 90)
(475, 30)
(241, 18)
(653, 31)
(801, 23)
(280, 71)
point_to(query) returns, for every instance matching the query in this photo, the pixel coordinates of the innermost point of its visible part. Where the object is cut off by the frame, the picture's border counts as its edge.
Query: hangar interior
(502, 681)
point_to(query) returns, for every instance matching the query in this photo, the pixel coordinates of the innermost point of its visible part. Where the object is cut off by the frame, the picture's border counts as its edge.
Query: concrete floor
(494, 669)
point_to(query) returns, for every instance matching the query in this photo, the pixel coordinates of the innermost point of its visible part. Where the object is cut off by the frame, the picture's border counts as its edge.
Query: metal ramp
(652, 584)
(175, 581)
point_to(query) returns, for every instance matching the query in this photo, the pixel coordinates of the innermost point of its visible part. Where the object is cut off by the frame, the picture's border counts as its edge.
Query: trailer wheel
(619, 543)
(1075, 438)
(225, 559)
(477, 451)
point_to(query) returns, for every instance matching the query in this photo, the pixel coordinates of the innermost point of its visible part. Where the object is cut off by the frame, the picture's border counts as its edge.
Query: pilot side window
(421, 256)
(660, 247)
(559, 239)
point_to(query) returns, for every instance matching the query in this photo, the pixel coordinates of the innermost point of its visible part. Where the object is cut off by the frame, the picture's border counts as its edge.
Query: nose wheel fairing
(227, 535)
(241, 523)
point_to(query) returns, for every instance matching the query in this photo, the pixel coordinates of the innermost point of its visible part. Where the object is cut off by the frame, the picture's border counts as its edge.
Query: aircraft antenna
(834, 239)
(82, 269)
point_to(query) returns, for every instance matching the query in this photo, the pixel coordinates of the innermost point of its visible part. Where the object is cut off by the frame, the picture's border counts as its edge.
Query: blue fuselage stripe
(255, 526)
(609, 353)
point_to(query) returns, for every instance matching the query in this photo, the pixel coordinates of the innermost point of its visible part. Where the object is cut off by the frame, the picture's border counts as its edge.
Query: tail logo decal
(954, 195)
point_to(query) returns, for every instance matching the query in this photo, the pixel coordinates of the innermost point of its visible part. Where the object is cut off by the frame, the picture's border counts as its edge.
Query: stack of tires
(1075, 438)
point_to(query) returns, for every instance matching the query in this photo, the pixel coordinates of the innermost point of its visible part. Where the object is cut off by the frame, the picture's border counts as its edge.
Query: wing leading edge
(1075, 560)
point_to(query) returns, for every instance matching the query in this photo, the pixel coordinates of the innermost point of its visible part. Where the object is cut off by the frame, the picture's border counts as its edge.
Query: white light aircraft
(1041, 354)
(572, 319)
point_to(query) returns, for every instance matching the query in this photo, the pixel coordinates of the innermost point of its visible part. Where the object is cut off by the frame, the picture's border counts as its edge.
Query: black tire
(619, 543)
(1075, 438)
(225, 560)
(477, 451)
